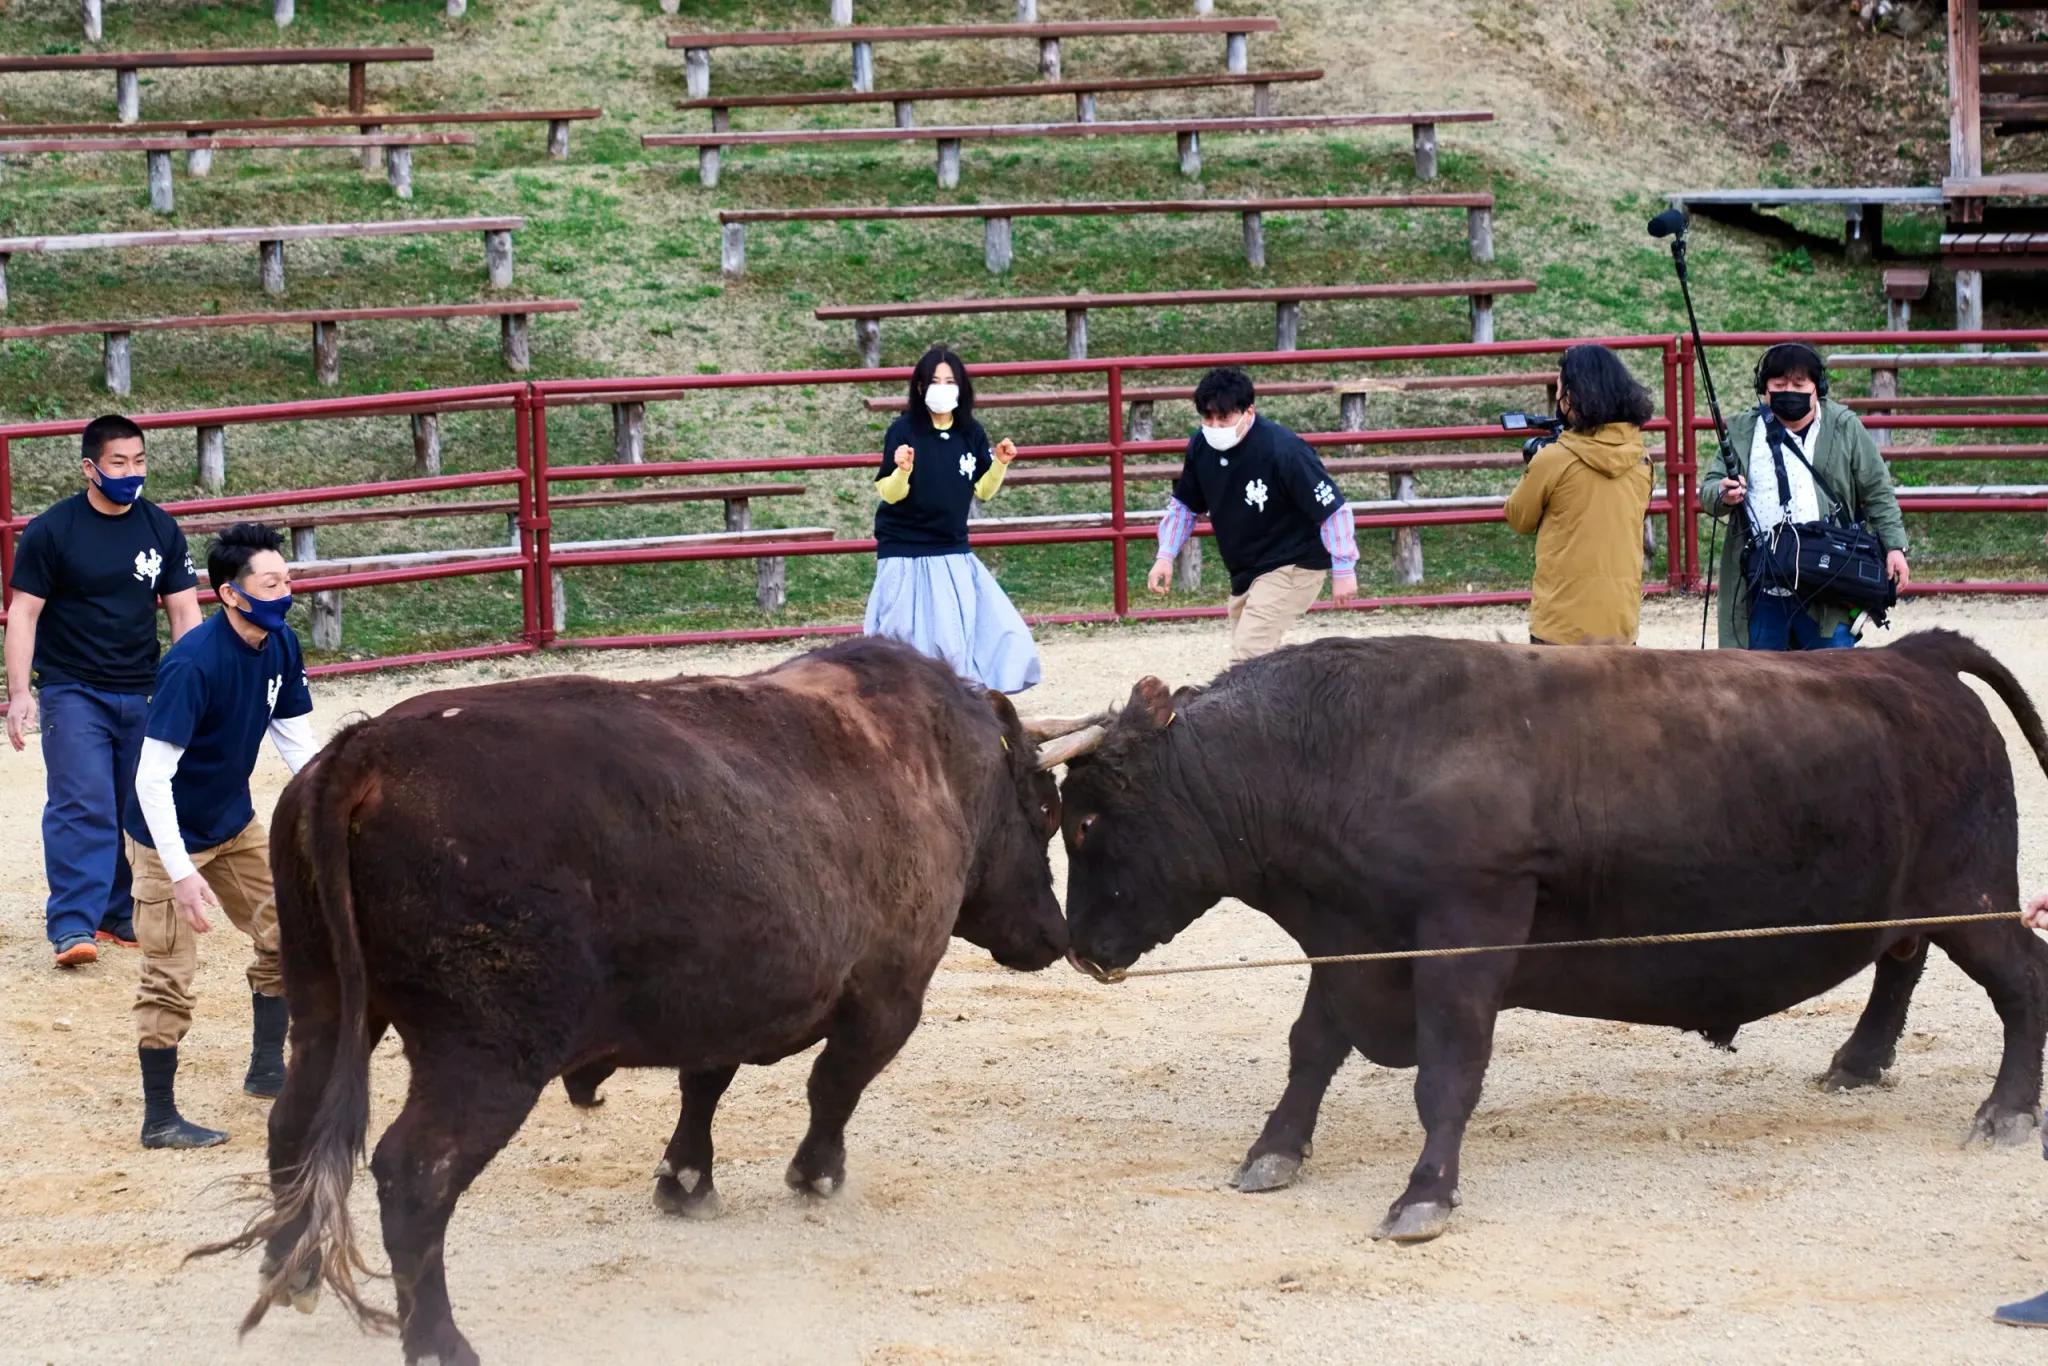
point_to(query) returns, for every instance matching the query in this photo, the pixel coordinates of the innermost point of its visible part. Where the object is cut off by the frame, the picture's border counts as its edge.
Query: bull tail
(309, 1201)
(1954, 651)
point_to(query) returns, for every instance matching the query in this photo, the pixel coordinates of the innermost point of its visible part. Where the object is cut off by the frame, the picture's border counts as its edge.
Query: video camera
(1547, 427)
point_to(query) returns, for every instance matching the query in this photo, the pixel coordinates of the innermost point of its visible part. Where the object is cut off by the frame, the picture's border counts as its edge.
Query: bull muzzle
(1107, 976)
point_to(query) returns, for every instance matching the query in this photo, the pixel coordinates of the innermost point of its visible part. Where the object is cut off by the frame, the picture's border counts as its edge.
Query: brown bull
(567, 875)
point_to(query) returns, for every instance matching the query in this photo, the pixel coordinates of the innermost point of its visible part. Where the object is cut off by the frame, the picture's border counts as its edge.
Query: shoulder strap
(1778, 437)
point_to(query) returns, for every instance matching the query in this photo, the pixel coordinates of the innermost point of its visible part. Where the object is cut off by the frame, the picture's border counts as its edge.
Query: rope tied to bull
(1631, 941)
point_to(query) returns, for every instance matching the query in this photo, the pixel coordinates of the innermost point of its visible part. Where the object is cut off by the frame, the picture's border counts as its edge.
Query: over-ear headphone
(1805, 358)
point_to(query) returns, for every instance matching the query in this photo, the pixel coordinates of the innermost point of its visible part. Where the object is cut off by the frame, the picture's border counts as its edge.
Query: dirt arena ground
(1041, 1174)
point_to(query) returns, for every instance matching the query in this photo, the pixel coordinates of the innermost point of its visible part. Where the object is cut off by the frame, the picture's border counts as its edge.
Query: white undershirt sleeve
(293, 739)
(153, 774)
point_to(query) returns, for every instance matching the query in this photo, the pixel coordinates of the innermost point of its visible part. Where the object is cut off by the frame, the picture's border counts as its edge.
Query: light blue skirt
(951, 608)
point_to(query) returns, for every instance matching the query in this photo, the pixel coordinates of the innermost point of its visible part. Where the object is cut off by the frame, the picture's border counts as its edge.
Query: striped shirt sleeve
(1340, 538)
(1175, 525)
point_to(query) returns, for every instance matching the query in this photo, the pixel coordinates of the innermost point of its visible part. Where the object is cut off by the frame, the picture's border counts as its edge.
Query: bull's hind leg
(2011, 964)
(459, 1112)
(864, 1037)
(682, 1183)
(1316, 1048)
(1874, 1044)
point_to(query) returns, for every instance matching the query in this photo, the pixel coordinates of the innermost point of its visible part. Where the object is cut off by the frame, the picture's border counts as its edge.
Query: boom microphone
(1667, 223)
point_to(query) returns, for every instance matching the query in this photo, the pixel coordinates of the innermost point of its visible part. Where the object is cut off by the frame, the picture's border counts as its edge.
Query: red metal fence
(530, 472)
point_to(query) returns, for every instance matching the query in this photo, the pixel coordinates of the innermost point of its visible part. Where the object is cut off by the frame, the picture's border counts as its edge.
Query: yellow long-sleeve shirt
(894, 487)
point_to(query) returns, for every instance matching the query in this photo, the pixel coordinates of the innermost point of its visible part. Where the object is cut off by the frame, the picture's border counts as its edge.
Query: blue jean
(91, 742)
(1777, 623)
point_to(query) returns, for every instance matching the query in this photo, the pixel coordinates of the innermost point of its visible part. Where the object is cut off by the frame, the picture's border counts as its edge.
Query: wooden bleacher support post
(162, 198)
(116, 369)
(199, 161)
(128, 94)
(270, 266)
(327, 353)
(1077, 334)
(732, 249)
(771, 573)
(1479, 230)
(906, 113)
(398, 164)
(864, 67)
(949, 163)
(1425, 151)
(3, 281)
(1236, 58)
(707, 166)
(282, 12)
(1482, 317)
(457, 8)
(867, 337)
(1255, 240)
(696, 71)
(842, 12)
(1049, 58)
(1970, 304)
(358, 87)
(558, 139)
(996, 248)
(1190, 153)
(95, 28)
(426, 444)
(327, 620)
(305, 543)
(1863, 232)
(1084, 106)
(516, 346)
(671, 6)
(1262, 99)
(213, 458)
(498, 257)
(1287, 325)
(629, 433)
(373, 157)
(1027, 11)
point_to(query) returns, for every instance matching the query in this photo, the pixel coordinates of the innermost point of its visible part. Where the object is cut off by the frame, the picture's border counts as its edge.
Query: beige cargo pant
(238, 870)
(1261, 616)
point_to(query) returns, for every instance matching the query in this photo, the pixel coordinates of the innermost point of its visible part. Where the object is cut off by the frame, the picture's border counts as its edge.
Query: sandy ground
(1041, 1174)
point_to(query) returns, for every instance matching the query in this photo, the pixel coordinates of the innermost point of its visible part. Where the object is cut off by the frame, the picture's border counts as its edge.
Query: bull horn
(1065, 747)
(1042, 728)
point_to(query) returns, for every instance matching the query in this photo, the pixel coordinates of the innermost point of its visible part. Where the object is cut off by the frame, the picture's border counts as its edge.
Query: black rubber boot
(266, 1052)
(162, 1125)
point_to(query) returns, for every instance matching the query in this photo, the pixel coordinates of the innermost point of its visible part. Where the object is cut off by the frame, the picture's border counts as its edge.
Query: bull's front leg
(1316, 1048)
(1456, 1002)
(865, 1035)
(682, 1183)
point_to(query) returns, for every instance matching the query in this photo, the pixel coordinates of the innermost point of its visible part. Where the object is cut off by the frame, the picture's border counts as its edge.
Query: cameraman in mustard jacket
(1584, 496)
(1792, 382)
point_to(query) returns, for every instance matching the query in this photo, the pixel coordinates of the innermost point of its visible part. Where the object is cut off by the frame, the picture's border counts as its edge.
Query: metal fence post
(541, 528)
(1120, 550)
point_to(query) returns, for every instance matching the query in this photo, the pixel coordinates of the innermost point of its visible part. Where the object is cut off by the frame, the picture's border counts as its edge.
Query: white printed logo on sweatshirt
(966, 466)
(270, 692)
(1255, 494)
(1325, 495)
(148, 564)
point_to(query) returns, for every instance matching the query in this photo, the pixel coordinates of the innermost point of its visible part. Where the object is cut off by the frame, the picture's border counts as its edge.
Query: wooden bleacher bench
(904, 101)
(557, 120)
(1932, 403)
(497, 233)
(696, 47)
(997, 218)
(1187, 134)
(282, 12)
(1862, 207)
(1995, 250)
(117, 373)
(1904, 286)
(127, 65)
(157, 152)
(1937, 360)
(1286, 301)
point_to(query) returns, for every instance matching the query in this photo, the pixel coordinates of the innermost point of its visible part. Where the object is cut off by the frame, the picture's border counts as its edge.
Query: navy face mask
(123, 490)
(265, 614)
(1791, 404)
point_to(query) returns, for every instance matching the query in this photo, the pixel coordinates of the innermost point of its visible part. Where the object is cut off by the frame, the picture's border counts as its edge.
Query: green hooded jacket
(1847, 463)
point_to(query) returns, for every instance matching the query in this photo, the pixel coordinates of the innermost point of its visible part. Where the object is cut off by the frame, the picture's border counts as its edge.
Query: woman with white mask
(930, 591)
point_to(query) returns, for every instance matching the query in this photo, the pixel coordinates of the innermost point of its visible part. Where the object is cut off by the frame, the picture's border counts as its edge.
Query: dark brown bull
(1417, 793)
(568, 874)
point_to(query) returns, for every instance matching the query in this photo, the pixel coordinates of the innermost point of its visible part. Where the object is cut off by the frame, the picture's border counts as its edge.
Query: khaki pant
(1261, 615)
(239, 873)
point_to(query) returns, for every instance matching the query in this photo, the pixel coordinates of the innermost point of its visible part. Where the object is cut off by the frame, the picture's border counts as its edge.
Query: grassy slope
(1574, 163)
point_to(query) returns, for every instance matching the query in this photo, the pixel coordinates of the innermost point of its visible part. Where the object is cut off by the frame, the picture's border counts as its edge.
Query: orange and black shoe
(77, 952)
(120, 936)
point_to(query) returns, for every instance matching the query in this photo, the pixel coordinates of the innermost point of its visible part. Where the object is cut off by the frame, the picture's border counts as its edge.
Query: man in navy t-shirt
(1280, 522)
(218, 692)
(82, 622)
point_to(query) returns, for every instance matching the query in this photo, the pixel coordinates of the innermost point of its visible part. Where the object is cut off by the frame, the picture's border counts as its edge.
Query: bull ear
(1150, 702)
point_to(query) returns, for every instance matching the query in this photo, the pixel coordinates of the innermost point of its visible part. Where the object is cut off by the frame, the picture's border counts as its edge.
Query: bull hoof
(302, 1292)
(1840, 1078)
(820, 1187)
(2007, 1129)
(307, 1301)
(1417, 1223)
(1267, 1172)
(687, 1193)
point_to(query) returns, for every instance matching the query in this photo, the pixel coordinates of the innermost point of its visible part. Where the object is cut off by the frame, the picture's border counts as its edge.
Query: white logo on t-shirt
(1325, 495)
(271, 690)
(966, 467)
(148, 564)
(1255, 494)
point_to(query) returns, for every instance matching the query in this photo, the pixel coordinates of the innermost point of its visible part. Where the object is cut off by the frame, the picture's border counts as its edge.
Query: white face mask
(942, 398)
(1221, 438)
